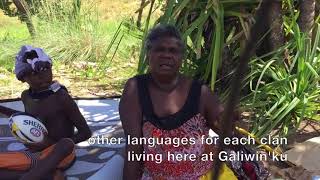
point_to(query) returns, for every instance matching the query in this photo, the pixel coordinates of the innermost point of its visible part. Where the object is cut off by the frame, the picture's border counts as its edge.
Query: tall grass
(70, 32)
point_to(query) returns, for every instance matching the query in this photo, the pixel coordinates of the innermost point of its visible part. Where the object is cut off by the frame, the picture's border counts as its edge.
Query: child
(51, 103)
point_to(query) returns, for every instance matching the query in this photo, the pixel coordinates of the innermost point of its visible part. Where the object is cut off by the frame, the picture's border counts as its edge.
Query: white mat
(94, 162)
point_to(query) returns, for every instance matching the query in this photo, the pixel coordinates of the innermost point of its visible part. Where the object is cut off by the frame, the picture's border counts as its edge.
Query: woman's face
(165, 56)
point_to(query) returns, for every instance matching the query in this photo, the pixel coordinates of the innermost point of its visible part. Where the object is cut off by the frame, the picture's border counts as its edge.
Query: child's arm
(37, 147)
(72, 111)
(7, 112)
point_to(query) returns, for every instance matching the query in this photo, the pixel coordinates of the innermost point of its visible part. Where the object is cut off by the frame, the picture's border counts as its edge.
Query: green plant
(283, 85)
(285, 92)
(67, 30)
(206, 33)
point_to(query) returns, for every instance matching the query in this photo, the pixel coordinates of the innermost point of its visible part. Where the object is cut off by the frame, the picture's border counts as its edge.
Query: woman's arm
(212, 109)
(131, 118)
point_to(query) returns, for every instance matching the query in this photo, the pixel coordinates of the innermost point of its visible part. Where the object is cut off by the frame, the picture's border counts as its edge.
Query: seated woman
(166, 104)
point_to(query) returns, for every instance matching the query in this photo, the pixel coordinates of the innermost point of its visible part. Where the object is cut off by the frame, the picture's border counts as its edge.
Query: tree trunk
(316, 11)
(276, 36)
(140, 14)
(23, 9)
(306, 17)
(317, 8)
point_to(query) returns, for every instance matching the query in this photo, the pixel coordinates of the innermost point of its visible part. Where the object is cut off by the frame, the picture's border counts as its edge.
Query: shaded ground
(285, 170)
(308, 129)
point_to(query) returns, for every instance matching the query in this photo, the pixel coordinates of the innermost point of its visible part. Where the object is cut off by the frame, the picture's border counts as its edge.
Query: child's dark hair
(163, 30)
(30, 55)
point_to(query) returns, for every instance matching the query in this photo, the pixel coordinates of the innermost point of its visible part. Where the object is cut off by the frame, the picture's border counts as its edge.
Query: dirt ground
(307, 130)
(79, 86)
(286, 170)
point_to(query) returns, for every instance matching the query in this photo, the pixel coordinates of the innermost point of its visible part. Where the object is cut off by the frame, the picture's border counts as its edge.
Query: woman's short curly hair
(161, 31)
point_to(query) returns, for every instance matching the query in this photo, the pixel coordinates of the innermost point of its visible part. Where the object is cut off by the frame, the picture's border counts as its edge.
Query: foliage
(87, 59)
(9, 9)
(281, 88)
(70, 31)
(285, 84)
(208, 28)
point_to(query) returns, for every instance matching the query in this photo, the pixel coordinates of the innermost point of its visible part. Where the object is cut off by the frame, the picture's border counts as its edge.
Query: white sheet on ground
(95, 162)
(306, 154)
